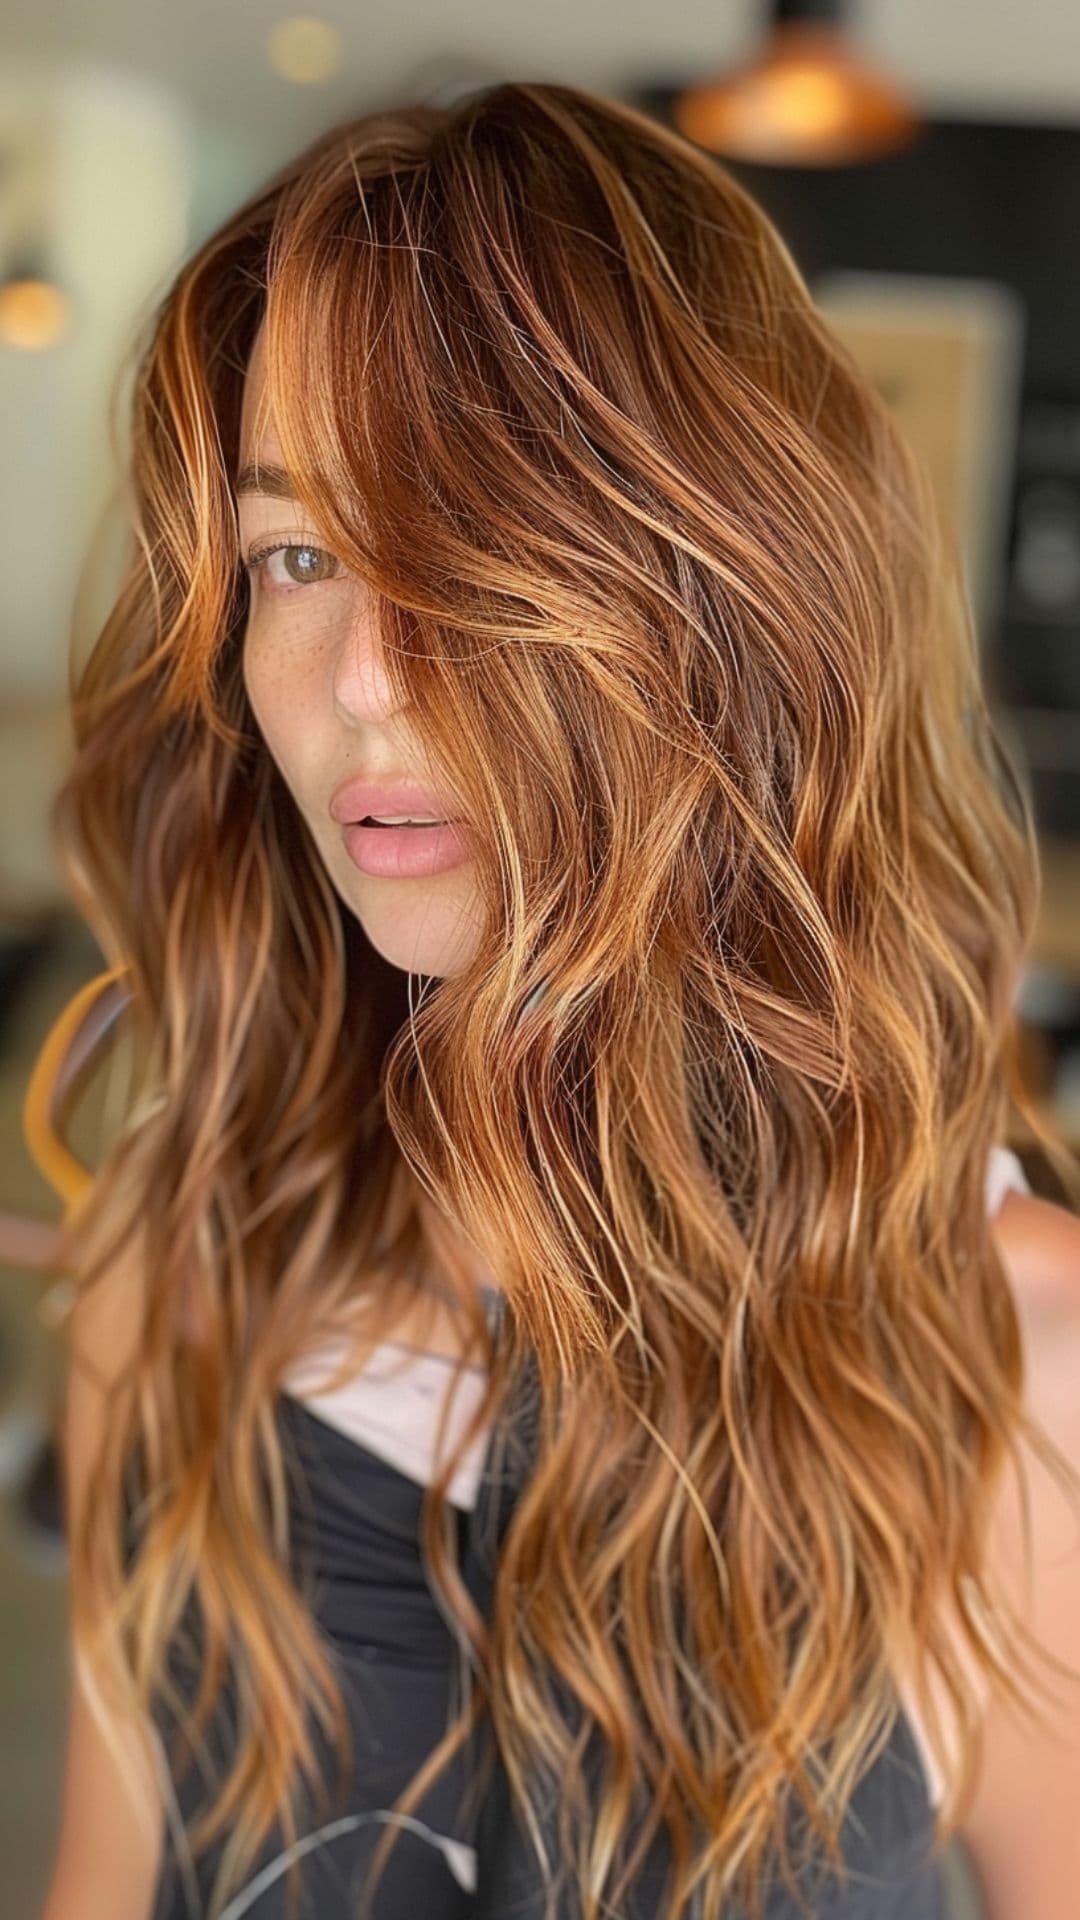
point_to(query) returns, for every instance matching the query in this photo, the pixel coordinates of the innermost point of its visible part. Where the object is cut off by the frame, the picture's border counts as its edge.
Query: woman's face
(325, 709)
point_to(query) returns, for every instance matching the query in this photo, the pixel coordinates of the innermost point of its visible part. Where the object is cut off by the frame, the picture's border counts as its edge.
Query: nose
(362, 692)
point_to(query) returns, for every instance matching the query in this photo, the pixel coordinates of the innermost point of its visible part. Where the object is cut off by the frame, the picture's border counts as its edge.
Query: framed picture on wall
(947, 356)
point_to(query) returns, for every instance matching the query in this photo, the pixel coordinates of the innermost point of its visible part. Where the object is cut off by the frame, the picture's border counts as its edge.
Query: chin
(425, 933)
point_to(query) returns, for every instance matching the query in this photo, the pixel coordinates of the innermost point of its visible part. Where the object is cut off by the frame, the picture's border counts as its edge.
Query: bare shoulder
(1021, 1828)
(1039, 1243)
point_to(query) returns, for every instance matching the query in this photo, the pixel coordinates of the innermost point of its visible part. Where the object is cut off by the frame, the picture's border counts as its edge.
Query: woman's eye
(304, 565)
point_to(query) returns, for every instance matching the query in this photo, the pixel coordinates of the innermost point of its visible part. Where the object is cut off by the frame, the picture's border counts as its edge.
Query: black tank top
(888, 1829)
(355, 1524)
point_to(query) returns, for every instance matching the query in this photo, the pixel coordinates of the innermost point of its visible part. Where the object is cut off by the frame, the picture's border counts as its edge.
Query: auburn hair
(670, 598)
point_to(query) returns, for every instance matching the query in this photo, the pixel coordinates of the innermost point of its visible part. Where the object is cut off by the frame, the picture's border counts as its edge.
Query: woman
(493, 468)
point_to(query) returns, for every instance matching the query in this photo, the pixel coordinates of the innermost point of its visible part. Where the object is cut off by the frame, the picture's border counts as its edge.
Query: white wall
(115, 222)
(114, 226)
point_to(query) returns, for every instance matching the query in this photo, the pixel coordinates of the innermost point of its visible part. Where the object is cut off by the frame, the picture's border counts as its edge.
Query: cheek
(279, 678)
(256, 683)
(278, 699)
(251, 668)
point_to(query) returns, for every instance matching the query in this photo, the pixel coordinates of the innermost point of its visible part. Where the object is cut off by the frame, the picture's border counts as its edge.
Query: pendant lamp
(805, 100)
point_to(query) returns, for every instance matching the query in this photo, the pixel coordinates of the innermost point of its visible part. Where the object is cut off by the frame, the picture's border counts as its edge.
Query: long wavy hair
(671, 602)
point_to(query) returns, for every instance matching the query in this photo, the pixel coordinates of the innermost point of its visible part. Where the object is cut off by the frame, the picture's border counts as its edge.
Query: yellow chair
(72, 1042)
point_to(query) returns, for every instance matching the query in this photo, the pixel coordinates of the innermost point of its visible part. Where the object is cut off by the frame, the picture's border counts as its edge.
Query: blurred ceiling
(1014, 59)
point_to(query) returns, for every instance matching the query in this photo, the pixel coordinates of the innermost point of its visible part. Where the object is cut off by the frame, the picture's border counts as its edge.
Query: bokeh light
(34, 314)
(305, 50)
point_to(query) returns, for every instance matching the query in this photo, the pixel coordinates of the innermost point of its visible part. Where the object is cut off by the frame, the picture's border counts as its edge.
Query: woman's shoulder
(1039, 1243)
(1021, 1825)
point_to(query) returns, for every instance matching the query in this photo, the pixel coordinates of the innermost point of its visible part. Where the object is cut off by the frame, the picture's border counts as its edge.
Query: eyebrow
(272, 481)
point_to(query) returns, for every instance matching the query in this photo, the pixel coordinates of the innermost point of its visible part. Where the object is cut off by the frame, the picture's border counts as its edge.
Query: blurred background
(923, 165)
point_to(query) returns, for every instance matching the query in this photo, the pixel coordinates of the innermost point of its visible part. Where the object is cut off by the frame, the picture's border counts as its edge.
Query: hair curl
(669, 596)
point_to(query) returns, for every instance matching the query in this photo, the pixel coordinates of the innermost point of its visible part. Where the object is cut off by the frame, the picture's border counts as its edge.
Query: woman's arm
(104, 1867)
(107, 1860)
(1023, 1828)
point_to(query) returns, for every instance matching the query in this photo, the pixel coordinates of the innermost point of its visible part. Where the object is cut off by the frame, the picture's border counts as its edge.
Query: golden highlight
(672, 605)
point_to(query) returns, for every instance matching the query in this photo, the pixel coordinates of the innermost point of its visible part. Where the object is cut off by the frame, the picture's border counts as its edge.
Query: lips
(406, 853)
(356, 799)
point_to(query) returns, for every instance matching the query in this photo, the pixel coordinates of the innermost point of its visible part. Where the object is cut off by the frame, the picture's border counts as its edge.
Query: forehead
(257, 432)
(261, 468)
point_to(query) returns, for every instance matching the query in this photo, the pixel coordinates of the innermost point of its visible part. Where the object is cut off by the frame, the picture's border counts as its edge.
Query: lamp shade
(805, 100)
